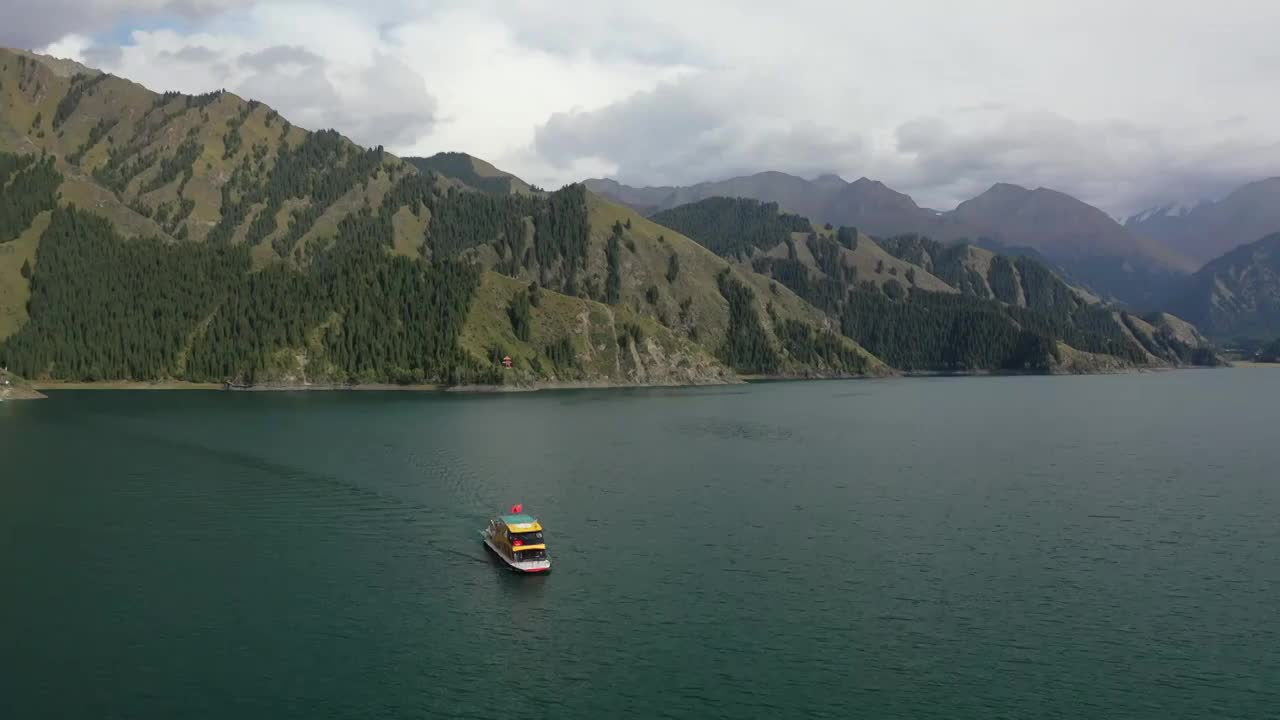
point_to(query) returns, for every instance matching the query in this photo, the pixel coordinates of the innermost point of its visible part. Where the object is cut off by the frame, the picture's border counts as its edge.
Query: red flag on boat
(516, 509)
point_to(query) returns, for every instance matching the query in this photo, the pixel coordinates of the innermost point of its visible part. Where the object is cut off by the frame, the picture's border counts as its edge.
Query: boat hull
(530, 567)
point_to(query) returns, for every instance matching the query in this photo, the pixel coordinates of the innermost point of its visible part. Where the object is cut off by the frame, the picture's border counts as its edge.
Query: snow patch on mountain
(1176, 209)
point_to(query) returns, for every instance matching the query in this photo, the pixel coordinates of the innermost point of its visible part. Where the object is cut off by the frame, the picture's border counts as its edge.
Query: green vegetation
(473, 172)
(1014, 280)
(562, 234)
(733, 227)
(233, 139)
(127, 160)
(344, 310)
(820, 348)
(913, 329)
(826, 254)
(893, 290)
(561, 353)
(613, 279)
(102, 308)
(847, 237)
(518, 311)
(180, 163)
(106, 308)
(1004, 285)
(746, 346)
(464, 219)
(932, 331)
(323, 168)
(936, 331)
(205, 238)
(826, 293)
(28, 187)
(80, 85)
(631, 333)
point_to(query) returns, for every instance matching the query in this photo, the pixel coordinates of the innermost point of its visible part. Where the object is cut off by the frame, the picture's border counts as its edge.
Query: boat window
(527, 538)
(526, 555)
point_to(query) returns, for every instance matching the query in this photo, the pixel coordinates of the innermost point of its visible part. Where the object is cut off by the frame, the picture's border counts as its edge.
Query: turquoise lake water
(1022, 547)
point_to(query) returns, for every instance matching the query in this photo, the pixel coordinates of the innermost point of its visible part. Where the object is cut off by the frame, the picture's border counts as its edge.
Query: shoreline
(36, 388)
(17, 394)
(123, 385)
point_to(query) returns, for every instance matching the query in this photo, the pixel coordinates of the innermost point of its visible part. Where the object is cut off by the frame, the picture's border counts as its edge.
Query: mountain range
(148, 236)
(1210, 228)
(923, 305)
(1236, 295)
(1083, 242)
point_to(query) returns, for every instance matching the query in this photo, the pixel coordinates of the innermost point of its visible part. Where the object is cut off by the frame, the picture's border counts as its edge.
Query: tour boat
(516, 538)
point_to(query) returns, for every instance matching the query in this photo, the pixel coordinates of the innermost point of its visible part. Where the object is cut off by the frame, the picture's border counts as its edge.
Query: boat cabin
(520, 536)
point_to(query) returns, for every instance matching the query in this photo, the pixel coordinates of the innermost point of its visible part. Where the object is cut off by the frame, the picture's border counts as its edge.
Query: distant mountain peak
(768, 174)
(1170, 210)
(1007, 191)
(1204, 229)
(830, 179)
(471, 170)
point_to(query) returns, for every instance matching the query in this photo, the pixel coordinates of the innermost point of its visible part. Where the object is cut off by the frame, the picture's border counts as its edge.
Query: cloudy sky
(1123, 103)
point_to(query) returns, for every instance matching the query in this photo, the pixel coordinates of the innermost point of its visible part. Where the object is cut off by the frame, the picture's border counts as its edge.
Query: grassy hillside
(205, 238)
(184, 167)
(15, 285)
(668, 277)
(576, 340)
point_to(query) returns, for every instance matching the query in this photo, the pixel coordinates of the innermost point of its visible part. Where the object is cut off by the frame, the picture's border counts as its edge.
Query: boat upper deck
(520, 523)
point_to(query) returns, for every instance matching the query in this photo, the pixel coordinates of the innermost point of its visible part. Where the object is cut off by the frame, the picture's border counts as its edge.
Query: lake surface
(1023, 547)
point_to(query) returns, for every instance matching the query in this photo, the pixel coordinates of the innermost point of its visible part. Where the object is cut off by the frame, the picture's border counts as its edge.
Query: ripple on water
(727, 429)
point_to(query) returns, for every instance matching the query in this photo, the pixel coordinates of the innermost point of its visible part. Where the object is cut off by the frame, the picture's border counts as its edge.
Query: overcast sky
(1123, 103)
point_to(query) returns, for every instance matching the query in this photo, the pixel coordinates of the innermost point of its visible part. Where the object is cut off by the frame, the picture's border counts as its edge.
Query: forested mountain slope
(934, 306)
(147, 236)
(1093, 249)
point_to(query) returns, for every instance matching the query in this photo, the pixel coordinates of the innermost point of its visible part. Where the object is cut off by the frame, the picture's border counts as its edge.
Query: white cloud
(36, 23)
(698, 126)
(1120, 103)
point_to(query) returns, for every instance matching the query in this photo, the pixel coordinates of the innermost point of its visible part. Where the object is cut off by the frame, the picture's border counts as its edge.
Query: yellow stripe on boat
(518, 548)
